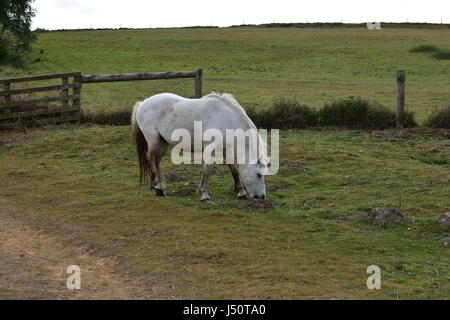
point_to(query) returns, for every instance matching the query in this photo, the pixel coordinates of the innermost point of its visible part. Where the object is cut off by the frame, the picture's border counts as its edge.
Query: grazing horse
(155, 120)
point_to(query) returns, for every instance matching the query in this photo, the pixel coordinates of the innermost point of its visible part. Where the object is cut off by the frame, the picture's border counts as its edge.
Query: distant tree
(15, 29)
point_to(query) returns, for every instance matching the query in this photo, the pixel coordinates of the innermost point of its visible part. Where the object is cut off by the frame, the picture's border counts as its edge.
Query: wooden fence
(18, 106)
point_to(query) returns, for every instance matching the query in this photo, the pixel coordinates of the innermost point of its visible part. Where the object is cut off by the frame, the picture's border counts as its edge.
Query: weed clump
(352, 112)
(438, 53)
(424, 48)
(284, 113)
(104, 117)
(442, 54)
(439, 118)
(356, 112)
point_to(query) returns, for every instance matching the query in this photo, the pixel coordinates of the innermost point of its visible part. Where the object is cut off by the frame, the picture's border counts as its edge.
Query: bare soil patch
(256, 205)
(33, 265)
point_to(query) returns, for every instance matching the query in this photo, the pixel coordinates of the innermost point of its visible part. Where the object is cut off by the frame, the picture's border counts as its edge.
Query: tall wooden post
(76, 102)
(7, 86)
(198, 83)
(400, 113)
(65, 92)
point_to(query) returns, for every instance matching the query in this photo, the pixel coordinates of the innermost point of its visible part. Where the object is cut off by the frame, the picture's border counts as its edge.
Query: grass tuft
(439, 118)
(107, 117)
(442, 54)
(356, 112)
(424, 48)
(352, 112)
(438, 53)
(284, 113)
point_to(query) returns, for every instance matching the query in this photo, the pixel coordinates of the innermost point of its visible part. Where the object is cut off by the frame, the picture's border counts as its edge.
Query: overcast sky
(71, 14)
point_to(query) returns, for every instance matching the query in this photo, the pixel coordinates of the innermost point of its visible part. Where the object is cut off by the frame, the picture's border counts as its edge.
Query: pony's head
(252, 179)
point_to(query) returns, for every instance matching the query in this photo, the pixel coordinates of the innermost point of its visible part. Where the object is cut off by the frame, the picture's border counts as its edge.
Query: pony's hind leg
(156, 151)
(161, 150)
(238, 188)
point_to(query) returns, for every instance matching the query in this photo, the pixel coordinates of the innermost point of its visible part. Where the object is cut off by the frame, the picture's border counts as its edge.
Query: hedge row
(352, 112)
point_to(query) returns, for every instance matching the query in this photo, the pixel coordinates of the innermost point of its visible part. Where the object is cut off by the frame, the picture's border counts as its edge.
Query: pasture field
(315, 65)
(80, 184)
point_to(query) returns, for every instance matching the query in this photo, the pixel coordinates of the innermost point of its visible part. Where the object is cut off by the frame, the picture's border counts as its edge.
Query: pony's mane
(231, 101)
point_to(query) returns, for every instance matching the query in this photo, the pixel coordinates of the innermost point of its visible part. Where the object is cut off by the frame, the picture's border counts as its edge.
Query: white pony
(155, 119)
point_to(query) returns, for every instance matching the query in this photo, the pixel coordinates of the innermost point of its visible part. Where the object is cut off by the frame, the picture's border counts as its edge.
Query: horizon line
(239, 25)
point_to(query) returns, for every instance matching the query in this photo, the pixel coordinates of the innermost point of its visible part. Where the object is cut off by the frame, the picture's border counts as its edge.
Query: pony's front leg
(241, 194)
(205, 175)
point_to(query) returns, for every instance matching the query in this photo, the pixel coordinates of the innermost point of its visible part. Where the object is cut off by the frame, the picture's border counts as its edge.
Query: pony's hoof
(205, 199)
(242, 197)
(160, 193)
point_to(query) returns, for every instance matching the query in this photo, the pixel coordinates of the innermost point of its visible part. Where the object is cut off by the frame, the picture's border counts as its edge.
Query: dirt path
(33, 266)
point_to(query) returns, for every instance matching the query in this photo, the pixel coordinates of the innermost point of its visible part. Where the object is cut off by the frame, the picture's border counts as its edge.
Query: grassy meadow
(80, 183)
(257, 65)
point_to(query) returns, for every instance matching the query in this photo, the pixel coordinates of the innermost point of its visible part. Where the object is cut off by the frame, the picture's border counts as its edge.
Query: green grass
(82, 185)
(257, 65)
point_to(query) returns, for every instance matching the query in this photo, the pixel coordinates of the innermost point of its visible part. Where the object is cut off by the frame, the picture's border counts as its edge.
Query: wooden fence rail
(197, 75)
(17, 105)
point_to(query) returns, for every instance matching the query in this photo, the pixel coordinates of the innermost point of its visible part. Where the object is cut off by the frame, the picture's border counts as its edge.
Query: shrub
(442, 54)
(103, 117)
(284, 114)
(410, 120)
(438, 53)
(439, 118)
(424, 48)
(355, 112)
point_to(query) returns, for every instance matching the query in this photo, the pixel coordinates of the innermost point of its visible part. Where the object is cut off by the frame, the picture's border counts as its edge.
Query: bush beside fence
(352, 112)
(439, 118)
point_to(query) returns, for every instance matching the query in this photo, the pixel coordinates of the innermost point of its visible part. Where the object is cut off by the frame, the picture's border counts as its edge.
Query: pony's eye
(259, 175)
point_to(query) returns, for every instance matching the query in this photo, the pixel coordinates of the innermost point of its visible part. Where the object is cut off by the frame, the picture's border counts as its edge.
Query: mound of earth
(384, 215)
(445, 241)
(444, 219)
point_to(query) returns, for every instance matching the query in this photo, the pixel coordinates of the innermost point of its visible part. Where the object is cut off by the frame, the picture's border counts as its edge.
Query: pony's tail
(141, 147)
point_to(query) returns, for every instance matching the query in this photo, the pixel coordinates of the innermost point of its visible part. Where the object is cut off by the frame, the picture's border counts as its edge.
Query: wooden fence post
(198, 83)
(7, 86)
(76, 102)
(65, 92)
(400, 113)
